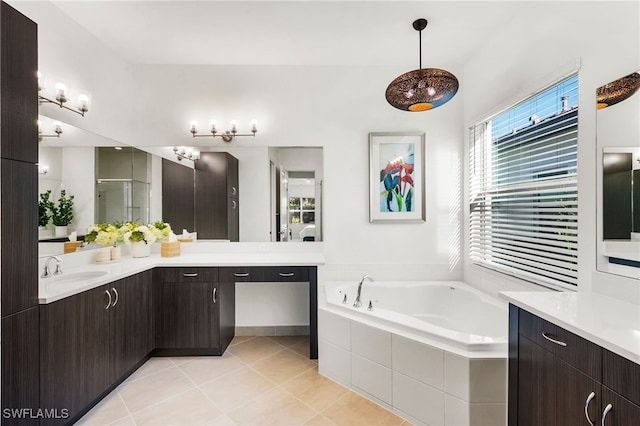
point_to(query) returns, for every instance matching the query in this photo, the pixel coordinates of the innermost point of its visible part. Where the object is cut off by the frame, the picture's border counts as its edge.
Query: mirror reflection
(114, 182)
(618, 141)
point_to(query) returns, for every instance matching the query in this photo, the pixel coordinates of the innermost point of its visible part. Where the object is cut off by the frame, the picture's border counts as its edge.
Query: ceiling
(294, 32)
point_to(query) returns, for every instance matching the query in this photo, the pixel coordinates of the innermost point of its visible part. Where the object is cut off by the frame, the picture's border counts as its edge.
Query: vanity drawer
(288, 274)
(621, 376)
(189, 275)
(243, 274)
(581, 353)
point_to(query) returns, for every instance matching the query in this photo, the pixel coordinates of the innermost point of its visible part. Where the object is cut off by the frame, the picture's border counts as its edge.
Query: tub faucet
(47, 272)
(358, 303)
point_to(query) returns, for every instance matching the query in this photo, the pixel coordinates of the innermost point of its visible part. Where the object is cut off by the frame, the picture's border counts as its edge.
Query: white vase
(116, 252)
(140, 249)
(61, 231)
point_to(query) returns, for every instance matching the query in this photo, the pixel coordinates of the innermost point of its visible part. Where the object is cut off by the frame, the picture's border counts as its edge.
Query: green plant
(63, 211)
(45, 205)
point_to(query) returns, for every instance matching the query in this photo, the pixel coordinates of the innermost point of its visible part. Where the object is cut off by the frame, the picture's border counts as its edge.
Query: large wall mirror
(618, 173)
(112, 182)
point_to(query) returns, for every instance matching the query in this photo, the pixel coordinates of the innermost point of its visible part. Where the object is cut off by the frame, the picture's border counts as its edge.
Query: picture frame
(396, 177)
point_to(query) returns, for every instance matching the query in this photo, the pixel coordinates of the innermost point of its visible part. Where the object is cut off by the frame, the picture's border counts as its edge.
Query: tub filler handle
(344, 300)
(551, 339)
(586, 407)
(370, 307)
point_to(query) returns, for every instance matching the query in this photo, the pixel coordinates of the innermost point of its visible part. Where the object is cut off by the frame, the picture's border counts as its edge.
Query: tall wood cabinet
(559, 378)
(18, 215)
(217, 202)
(178, 196)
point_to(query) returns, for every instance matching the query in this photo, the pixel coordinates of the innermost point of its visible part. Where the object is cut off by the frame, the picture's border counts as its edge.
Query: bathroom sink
(74, 277)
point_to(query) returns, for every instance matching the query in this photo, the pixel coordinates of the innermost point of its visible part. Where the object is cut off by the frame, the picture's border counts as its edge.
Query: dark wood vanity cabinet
(555, 376)
(92, 341)
(195, 312)
(217, 202)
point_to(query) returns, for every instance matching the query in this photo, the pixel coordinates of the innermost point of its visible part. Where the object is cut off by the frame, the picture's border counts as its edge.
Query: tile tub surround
(420, 382)
(259, 381)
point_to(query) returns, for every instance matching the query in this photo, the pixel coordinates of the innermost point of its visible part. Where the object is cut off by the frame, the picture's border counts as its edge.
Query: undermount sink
(74, 277)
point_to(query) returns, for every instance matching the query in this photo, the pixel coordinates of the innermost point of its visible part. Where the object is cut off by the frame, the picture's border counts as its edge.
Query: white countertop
(203, 255)
(608, 322)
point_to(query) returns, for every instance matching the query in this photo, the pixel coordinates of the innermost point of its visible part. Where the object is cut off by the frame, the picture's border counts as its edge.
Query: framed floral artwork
(396, 177)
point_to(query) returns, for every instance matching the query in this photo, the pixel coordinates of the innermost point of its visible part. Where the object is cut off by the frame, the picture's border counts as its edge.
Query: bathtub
(434, 352)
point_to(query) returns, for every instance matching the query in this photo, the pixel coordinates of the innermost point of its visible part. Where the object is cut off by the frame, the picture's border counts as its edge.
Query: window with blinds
(523, 188)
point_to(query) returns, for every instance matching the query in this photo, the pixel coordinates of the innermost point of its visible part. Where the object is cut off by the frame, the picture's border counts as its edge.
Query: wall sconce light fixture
(62, 94)
(43, 169)
(57, 129)
(422, 89)
(227, 135)
(186, 153)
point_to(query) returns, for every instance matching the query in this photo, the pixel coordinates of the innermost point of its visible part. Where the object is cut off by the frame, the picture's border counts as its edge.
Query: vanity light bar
(187, 154)
(227, 135)
(57, 129)
(62, 97)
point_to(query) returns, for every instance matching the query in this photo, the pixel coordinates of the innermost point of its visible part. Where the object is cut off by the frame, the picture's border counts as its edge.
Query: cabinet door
(233, 219)
(227, 308)
(178, 196)
(130, 323)
(537, 396)
(572, 390)
(189, 315)
(74, 352)
(623, 412)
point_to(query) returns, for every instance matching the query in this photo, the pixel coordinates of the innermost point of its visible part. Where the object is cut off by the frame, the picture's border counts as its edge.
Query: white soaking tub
(435, 352)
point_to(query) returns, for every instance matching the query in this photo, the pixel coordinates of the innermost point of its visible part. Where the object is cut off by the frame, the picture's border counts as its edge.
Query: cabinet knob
(234, 204)
(234, 191)
(586, 407)
(608, 408)
(109, 296)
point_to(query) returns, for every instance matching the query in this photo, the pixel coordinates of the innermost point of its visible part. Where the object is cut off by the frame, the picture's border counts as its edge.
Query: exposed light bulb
(254, 126)
(213, 126)
(194, 127)
(83, 102)
(61, 92)
(234, 126)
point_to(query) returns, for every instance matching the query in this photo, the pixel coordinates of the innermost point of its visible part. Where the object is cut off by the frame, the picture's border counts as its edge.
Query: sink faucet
(358, 303)
(47, 272)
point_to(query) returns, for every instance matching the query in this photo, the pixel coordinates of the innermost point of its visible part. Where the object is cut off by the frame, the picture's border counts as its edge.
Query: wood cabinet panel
(622, 376)
(623, 412)
(18, 85)
(537, 367)
(178, 196)
(188, 274)
(243, 274)
(19, 227)
(74, 352)
(20, 364)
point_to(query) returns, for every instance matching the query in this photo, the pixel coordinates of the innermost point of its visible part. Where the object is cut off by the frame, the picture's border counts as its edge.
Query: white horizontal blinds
(523, 188)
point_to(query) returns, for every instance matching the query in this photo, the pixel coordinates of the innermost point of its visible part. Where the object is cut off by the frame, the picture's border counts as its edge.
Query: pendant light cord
(420, 47)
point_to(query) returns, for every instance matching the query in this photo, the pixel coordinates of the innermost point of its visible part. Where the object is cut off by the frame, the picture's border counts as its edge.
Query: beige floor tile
(125, 421)
(206, 368)
(239, 339)
(288, 341)
(255, 349)
(153, 365)
(222, 420)
(319, 420)
(314, 389)
(235, 389)
(149, 390)
(407, 423)
(302, 348)
(353, 410)
(188, 408)
(275, 407)
(282, 366)
(110, 409)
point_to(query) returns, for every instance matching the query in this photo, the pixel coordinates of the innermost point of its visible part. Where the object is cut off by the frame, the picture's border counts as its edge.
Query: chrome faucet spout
(357, 302)
(46, 273)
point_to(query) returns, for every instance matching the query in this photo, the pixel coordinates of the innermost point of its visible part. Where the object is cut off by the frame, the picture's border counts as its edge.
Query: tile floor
(258, 381)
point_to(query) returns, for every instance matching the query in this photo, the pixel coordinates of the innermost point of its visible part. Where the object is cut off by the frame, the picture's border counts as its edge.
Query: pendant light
(422, 89)
(617, 91)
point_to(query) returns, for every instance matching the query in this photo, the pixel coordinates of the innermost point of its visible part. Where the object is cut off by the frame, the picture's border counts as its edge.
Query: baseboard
(273, 330)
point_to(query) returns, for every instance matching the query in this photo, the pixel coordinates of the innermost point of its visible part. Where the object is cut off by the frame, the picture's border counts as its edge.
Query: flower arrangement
(107, 234)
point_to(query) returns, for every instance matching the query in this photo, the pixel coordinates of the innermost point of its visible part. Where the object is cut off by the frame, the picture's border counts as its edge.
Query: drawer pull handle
(586, 407)
(234, 204)
(241, 274)
(109, 302)
(215, 293)
(605, 412)
(234, 191)
(286, 274)
(556, 341)
(190, 274)
(117, 296)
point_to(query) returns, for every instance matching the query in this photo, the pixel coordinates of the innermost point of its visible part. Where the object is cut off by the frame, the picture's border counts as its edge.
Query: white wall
(532, 49)
(336, 108)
